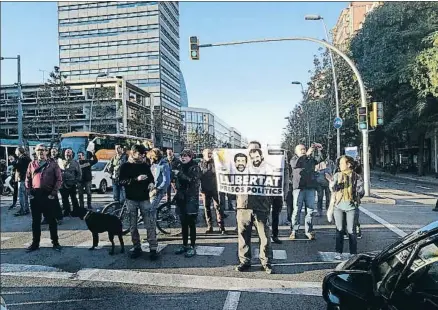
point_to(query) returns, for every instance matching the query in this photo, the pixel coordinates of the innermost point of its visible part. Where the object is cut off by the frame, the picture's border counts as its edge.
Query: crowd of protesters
(144, 177)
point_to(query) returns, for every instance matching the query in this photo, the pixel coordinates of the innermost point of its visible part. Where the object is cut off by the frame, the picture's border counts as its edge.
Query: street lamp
(102, 74)
(20, 99)
(335, 83)
(298, 83)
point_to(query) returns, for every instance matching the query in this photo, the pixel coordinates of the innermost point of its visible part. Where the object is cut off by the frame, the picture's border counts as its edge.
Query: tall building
(138, 40)
(183, 96)
(351, 20)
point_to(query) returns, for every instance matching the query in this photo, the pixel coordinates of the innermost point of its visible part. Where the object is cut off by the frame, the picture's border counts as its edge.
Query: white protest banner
(250, 172)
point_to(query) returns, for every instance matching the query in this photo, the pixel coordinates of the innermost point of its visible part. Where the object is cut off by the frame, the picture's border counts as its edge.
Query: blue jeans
(349, 225)
(155, 200)
(301, 197)
(119, 193)
(24, 199)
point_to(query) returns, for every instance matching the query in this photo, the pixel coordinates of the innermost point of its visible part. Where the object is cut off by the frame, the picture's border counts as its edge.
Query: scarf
(347, 179)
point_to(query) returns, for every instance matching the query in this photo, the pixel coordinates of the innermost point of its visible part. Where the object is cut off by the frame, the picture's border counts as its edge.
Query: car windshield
(98, 166)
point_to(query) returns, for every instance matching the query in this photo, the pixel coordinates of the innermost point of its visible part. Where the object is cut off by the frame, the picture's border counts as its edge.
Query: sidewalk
(406, 176)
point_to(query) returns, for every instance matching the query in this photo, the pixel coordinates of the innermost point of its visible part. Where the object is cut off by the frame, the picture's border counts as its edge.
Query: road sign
(352, 151)
(337, 123)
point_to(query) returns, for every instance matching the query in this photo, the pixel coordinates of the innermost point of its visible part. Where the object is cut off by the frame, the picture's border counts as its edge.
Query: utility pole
(19, 99)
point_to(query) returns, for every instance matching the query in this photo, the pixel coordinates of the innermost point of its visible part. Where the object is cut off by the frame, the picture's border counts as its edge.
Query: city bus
(104, 144)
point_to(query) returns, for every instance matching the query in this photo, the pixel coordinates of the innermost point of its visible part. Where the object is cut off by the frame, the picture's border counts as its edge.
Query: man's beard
(257, 163)
(240, 168)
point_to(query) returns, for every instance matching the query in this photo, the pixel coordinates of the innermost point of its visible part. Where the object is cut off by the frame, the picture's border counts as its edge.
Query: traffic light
(378, 107)
(376, 114)
(363, 118)
(194, 48)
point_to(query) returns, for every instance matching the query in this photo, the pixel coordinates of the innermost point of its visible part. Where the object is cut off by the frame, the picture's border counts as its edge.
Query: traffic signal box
(194, 48)
(362, 118)
(376, 114)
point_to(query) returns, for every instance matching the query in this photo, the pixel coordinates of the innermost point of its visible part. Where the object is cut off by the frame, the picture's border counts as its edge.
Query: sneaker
(180, 250)
(287, 223)
(191, 251)
(242, 267)
(268, 269)
(136, 253)
(292, 236)
(21, 213)
(153, 255)
(209, 230)
(276, 240)
(32, 247)
(338, 256)
(57, 247)
(223, 231)
(359, 236)
(310, 236)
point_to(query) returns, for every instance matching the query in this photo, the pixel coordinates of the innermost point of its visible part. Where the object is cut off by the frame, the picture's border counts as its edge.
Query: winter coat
(208, 176)
(187, 188)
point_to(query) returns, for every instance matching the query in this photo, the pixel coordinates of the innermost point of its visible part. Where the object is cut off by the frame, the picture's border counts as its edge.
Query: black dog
(99, 223)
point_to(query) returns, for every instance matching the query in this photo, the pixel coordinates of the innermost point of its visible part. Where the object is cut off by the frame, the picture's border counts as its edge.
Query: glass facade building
(138, 40)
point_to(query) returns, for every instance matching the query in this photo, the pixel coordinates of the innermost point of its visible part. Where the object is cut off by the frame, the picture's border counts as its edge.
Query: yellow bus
(104, 144)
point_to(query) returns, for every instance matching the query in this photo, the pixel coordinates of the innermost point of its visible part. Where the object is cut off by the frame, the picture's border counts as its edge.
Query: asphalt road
(80, 279)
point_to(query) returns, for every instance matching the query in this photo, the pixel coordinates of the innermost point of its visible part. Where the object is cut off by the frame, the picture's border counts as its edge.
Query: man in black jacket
(136, 176)
(85, 184)
(209, 192)
(20, 167)
(304, 187)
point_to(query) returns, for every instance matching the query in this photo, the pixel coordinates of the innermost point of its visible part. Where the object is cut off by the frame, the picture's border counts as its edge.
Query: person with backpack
(113, 168)
(347, 188)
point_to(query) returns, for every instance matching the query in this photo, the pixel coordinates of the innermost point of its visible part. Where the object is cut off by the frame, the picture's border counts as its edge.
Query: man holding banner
(254, 189)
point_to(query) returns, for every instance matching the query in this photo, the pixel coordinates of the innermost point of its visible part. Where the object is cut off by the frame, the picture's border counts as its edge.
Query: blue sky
(247, 86)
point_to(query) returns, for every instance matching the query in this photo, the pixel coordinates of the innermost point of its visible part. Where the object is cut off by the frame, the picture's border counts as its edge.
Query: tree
(53, 109)
(389, 54)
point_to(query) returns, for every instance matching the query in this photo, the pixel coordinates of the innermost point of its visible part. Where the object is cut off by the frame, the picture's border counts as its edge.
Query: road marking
(423, 187)
(232, 301)
(401, 183)
(383, 180)
(44, 243)
(255, 285)
(145, 247)
(89, 243)
(391, 227)
(329, 257)
(4, 238)
(52, 301)
(277, 254)
(209, 250)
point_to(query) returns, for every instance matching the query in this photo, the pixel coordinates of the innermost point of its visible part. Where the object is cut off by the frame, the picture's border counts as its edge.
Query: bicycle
(168, 222)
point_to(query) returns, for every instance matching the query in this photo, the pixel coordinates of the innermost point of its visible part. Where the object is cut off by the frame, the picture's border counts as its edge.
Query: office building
(204, 129)
(118, 107)
(138, 40)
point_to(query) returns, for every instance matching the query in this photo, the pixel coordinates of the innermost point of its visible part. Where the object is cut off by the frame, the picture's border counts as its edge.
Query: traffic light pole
(366, 161)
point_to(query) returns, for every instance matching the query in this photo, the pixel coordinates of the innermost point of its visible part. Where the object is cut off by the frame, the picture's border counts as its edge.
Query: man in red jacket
(43, 180)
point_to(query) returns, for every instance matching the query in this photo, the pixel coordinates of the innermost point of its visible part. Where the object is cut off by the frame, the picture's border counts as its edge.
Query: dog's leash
(87, 215)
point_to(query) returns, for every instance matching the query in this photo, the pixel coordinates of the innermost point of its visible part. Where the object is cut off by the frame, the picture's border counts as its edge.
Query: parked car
(101, 179)
(3, 304)
(404, 276)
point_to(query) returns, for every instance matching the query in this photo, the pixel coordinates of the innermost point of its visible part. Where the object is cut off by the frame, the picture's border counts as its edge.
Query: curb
(378, 200)
(404, 178)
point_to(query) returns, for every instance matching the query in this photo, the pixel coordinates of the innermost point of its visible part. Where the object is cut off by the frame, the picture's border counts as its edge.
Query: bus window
(77, 144)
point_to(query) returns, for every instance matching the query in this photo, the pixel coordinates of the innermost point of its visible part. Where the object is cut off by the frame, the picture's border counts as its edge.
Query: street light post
(335, 83)
(365, 142)
(94, 96)
(19, 99)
